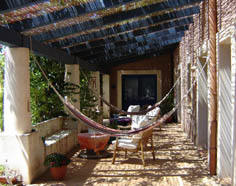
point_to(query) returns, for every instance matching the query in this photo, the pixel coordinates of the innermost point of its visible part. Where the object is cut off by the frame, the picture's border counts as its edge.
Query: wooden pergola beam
(14, 39)
(20, 5)
(213, 85)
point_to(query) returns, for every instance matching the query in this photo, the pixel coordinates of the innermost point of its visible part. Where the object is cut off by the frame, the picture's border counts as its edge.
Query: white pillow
(155, 112)
(141, 121)
(133, 108)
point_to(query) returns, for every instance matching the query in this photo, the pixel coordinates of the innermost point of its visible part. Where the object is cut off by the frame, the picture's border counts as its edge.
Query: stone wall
(193, 46)
(26, 153)
(162, 63)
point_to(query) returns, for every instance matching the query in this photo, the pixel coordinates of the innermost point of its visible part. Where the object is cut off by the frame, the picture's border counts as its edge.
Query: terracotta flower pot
(58, 173)
(3, 180)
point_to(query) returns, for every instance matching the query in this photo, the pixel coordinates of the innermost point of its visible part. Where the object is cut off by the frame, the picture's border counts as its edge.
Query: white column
(95, 84)
(106, 95)
(17, 118)
(20, 147)
(233, 59)
(72, 75)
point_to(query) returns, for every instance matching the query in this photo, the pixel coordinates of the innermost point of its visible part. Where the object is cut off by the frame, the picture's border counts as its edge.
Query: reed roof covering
(101, 33)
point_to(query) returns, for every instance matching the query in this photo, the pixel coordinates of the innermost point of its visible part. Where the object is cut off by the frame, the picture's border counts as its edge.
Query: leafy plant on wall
(88, 101)
(44, 103)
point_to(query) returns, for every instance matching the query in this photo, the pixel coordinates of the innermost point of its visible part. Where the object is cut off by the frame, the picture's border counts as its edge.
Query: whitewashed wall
(225, 115)
(202, 108)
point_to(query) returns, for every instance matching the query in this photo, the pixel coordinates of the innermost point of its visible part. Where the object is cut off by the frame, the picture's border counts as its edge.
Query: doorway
(139, 90)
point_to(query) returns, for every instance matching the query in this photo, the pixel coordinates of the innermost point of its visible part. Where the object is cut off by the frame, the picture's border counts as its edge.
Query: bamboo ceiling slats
(129, 27)
(101, 12)
(61, 17)
(151, 34)
(123, 26)
(101, 60)
(102, 32)
(132, 44)
(31, 10)
(138, 47)
(109, 19)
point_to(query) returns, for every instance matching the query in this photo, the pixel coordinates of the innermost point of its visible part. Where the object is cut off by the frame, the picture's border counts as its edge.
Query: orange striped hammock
(101, 128)
(115, 132)
(142, 112)
(97, 126)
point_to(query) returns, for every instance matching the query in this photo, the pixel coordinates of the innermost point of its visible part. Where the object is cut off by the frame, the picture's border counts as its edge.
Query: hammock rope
(142, 112)
(93, 124)
(101, 128)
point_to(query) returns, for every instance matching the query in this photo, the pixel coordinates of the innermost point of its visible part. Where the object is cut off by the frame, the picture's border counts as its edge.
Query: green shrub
(44, 103)
(56, 160)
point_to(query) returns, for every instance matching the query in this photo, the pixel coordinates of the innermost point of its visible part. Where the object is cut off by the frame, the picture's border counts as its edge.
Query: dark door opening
(138, 90)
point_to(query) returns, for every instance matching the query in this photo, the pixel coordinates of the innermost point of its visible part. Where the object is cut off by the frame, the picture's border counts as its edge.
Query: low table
(93, 142)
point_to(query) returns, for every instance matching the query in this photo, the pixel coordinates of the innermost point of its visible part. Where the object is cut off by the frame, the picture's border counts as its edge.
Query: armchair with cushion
(136, 143)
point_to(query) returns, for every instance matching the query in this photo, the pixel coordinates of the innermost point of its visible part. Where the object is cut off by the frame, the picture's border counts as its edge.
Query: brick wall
(193, 45)
(162, 63)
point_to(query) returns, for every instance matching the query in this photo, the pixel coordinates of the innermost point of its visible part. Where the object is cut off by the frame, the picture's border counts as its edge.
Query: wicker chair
(135, 144)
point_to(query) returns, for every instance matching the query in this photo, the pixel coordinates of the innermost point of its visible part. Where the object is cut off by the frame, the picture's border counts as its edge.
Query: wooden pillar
(213, 85)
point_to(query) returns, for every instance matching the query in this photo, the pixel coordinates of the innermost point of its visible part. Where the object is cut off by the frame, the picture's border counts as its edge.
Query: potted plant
(58, 165)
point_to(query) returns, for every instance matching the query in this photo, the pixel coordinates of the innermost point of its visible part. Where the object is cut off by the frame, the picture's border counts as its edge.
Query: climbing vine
(88, 101)
(44, 103)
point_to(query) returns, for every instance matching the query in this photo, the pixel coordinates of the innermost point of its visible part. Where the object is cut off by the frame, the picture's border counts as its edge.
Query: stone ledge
(57, 137)
(62, 142)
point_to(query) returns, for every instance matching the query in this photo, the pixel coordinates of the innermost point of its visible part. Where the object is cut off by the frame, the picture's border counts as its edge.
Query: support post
(17, 117)
(21, 149)
(233, 58)
(106, 95)
(213, 85)
(72, 75)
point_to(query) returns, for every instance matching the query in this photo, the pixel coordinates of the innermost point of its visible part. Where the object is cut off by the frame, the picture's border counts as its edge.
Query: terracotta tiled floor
(178, 162)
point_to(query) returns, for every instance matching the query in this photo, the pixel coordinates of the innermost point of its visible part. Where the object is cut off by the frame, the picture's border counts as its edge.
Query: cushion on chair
(122, 140)
(133, 108)
(127, 145)
(153, 114)
(141, 121)
(133, 141)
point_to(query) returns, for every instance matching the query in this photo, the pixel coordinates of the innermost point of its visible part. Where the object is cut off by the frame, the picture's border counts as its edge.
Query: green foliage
(168, 104)
(88, 101)
(45, 104)
(2, 168)
(56, 160)
(2, 62)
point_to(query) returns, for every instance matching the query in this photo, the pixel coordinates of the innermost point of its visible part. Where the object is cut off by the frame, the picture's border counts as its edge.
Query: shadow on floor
(178, 162)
